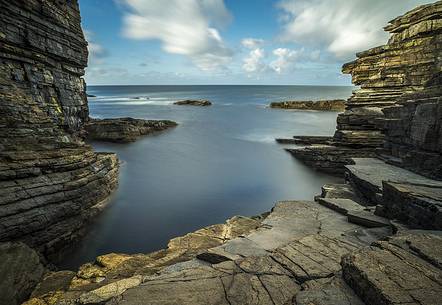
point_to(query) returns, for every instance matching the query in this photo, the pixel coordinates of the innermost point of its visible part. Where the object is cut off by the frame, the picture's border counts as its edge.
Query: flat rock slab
(327, 291)
(342, 190)
(367, 219)
(247, 281)
(342, 206)
(373, 172)
(288, 221)
(404, 270)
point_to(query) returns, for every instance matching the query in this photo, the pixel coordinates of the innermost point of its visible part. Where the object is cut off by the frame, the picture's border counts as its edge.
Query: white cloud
(343, 27)
(252, 43)
(96, 51)
(185, 27)
(286, 58)
(254, 63)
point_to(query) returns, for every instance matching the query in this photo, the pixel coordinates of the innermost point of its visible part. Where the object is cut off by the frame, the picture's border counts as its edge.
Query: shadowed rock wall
(51, 182)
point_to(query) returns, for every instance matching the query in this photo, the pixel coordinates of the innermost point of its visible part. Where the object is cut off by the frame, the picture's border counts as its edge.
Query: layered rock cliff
(408, 64)
(51, 182)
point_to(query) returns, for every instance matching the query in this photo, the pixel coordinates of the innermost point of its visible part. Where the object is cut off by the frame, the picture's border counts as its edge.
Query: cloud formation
(185, 27)
(254, 62)
(342, 27)
(252, 43)
(96, 51)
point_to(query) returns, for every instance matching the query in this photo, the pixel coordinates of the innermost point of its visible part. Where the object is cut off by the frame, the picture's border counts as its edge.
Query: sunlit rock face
(406, 64)
(378, 120)
(51, 182)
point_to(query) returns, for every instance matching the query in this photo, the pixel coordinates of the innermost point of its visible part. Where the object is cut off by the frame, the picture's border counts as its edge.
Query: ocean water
(220, 161)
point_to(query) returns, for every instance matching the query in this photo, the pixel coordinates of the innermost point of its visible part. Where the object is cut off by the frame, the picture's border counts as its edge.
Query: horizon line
(283, 85)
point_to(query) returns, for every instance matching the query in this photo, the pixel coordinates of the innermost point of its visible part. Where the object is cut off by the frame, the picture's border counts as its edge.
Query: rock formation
(123, 130)
(324, 105)
(408, 64)
(193, 103)
(51, 182)
(21, 270)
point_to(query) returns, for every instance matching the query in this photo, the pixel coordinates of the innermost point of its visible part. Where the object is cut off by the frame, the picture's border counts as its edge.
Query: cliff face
(51, 182)
(405, 65)
(407, 68)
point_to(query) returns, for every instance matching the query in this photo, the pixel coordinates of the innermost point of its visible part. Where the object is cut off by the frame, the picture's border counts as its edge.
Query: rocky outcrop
(124, 130)
(406, 269)
(51, 182)
(193, 103)
(413, 131)
(393, 98)
(324, 105)
(21, 270)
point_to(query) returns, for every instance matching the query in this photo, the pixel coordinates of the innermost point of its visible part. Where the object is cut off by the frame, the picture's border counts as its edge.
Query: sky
(268, 42)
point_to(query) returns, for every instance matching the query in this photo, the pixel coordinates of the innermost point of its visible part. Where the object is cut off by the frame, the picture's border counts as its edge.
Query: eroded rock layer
(408, 65)
(51, 182)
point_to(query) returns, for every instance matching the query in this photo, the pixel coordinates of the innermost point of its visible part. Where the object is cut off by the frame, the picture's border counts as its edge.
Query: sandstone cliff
(408, 64)
(51, 182)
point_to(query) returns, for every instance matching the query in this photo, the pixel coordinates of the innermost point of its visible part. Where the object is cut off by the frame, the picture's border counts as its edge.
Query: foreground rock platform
(266, 260)
(124, 130)
(406, 269)
(324, 105)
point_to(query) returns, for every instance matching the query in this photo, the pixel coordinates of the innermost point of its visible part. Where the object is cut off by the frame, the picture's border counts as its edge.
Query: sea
(220, 161)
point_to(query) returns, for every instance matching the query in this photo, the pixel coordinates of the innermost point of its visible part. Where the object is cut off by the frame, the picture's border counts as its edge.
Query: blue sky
(298, 42)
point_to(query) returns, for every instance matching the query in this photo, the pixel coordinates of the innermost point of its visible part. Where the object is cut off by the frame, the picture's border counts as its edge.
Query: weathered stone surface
(265, 260)
(324, 105)
(368, 174)
(341, 205)
(193, 103)
(20, 272)
(414, 132)
(123, 130)
(340, 191)
(328, 158)
(327, 291)
(367, 219)
(417, 205)
(96, 282)
(396, 272)
(51, 182)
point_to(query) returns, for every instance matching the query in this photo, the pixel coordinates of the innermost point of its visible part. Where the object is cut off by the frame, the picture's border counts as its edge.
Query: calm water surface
(219, 162)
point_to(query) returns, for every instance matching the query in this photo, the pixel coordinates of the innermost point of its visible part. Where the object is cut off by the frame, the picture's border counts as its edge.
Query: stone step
(403, 270)
(341, 205)
(367, 219)
(339, 190)
(368, 174)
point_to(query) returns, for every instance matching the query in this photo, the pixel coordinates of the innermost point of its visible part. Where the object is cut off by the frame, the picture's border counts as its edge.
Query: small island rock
(324, 105)
(124, 130)
(193, 103)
